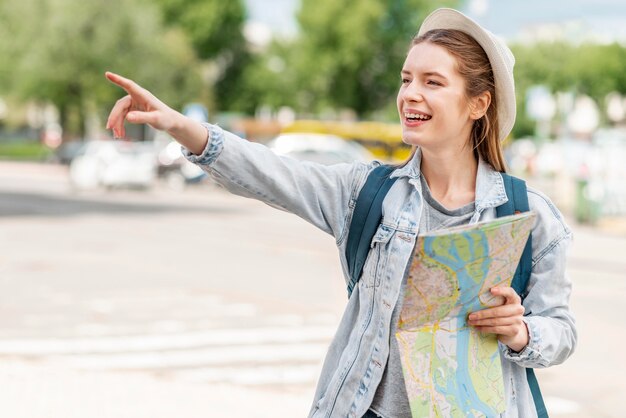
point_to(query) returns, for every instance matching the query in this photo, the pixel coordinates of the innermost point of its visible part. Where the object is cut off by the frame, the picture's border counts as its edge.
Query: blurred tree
(590, 69)
(351, 52)
(542, 63)
(348, 55)
(600, 69)
(266, 80)
(215, 28)
(58, 51)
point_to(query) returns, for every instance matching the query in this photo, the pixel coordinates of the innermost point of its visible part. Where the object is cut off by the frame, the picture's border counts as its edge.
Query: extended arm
(319, 194)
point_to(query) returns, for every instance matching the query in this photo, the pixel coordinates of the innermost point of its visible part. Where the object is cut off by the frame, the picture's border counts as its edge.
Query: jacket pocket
(378, 255)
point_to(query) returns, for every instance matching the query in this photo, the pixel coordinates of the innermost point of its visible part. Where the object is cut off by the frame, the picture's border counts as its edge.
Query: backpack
(367, 216)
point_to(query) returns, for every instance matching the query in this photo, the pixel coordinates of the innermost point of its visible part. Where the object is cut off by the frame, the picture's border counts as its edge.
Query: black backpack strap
(518, 202)
(366, 217)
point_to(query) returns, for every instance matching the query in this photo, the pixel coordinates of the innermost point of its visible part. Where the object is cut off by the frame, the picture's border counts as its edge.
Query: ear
(479, 105)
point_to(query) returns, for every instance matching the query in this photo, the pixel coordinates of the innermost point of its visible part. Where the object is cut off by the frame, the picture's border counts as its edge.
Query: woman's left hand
(505, 320)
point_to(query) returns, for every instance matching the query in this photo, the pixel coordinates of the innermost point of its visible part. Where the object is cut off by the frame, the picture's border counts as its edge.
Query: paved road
(160, 304)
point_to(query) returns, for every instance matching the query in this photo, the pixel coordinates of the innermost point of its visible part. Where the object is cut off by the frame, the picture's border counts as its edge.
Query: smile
(416, 116)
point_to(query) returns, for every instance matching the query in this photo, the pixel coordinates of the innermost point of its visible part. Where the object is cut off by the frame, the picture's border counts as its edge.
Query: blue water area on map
(461, 391)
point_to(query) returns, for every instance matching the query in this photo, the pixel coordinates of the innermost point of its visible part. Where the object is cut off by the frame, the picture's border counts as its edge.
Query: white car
(112, 163)
(175, 169)
(320, 148)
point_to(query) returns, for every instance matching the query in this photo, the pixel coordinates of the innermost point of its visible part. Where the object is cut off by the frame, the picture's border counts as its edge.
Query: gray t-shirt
(390, 400)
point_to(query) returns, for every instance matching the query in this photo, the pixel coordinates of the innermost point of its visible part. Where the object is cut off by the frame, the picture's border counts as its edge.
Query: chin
(410, 138)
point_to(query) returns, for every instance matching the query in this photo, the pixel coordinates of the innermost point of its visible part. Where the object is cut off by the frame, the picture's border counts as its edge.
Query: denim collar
(490, 190)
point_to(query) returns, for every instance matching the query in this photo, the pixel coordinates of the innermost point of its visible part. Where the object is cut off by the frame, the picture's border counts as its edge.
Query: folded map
(450, 369)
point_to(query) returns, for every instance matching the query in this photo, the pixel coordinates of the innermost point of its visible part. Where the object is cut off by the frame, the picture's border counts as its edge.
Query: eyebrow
(427, 73)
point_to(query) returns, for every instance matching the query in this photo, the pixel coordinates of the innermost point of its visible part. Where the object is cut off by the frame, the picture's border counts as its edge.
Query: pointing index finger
(128, 85)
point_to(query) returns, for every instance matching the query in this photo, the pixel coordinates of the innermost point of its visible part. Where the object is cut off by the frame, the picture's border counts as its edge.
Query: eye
(434, 83)
(405, 80)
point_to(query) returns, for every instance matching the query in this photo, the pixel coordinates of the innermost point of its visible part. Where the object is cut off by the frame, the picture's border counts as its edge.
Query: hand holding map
(505, 321)
(450, 369)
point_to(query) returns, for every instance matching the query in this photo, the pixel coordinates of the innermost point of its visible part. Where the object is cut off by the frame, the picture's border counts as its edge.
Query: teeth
(416, 116)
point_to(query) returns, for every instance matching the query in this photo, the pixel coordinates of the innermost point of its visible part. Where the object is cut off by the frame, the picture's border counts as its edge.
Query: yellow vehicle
(383, 139)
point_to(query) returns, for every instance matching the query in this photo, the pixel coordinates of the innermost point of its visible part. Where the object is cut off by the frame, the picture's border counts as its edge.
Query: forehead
(427, 57)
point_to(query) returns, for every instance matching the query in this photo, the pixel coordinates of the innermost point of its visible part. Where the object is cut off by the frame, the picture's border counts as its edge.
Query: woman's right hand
(140, 106)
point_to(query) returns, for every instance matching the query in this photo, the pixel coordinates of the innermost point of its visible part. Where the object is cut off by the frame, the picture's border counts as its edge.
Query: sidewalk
(43, 390)
(614, 225)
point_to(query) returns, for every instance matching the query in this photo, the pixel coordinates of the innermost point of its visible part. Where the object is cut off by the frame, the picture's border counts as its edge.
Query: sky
(602, 20)
(278, 15)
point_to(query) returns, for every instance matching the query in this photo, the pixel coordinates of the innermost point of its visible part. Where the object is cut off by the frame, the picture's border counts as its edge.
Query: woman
(456, 103)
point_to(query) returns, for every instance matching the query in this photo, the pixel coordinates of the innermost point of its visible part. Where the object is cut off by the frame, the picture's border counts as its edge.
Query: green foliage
(591, 69)
(265, 80)
(60, 49)
(214, 26)
(351, 52)
(24, 150)
(348, 55)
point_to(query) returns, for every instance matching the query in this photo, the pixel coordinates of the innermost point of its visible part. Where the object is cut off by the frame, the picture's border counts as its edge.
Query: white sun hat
(500, 57)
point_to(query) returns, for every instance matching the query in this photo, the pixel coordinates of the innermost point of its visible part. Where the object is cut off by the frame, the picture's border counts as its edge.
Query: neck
(451, 176)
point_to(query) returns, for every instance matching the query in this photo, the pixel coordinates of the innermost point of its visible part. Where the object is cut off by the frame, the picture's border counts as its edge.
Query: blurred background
(132, 286)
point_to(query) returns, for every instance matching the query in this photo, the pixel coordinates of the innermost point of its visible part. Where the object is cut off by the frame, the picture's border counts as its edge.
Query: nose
(412, 93)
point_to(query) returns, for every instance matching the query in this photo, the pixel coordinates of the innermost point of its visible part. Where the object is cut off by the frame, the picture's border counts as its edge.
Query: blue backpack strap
(518, 202)
(366, 217)
(540, 406)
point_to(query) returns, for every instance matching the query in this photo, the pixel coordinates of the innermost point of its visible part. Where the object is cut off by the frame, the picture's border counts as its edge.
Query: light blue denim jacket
(325, 196)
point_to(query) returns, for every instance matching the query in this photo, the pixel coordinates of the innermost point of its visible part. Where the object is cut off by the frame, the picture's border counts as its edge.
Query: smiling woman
(456, 104)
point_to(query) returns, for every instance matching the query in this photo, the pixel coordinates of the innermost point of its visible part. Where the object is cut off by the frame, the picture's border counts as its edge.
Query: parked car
(320, 148)
(67, 151)
(108, 163)
(173, 167)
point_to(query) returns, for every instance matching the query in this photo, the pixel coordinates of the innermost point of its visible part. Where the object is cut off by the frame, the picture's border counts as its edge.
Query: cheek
(462, 105)
(453, 105)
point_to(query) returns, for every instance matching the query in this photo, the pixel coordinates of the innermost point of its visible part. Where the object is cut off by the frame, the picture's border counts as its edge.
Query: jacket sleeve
(317, 193)
(551, 325)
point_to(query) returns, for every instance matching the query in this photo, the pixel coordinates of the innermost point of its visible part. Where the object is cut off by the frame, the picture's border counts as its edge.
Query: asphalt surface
(197, 303)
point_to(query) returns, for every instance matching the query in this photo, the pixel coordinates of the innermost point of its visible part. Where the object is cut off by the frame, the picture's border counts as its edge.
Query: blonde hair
(474, 66)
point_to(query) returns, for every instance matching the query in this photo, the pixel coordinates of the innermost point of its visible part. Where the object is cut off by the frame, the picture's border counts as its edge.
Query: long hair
(473, 65)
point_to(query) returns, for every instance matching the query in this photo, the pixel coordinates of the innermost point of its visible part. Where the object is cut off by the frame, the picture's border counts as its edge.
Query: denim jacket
(325, 196)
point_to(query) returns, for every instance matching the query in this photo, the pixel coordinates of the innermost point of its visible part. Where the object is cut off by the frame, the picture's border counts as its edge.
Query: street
(197, 303)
